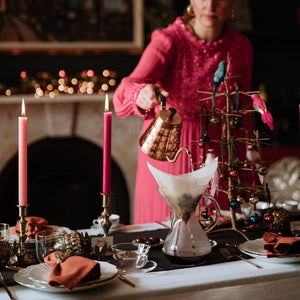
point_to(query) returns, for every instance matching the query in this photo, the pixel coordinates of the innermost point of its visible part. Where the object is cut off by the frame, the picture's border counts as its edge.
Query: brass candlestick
(106, 241)
(106, 223)
(23, 257)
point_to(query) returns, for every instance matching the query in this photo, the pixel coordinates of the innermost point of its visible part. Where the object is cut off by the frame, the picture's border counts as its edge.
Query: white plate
(15, 237)
(26, 277)
(255, 248)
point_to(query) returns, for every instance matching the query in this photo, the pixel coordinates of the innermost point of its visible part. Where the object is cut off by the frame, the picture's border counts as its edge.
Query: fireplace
(65, 160)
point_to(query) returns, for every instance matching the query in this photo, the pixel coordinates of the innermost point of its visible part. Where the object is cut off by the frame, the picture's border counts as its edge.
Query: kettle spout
(177, 154)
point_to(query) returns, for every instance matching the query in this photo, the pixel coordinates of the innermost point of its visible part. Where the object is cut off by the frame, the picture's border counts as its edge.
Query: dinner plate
(15, 237)
(28, 278)
(255, 248)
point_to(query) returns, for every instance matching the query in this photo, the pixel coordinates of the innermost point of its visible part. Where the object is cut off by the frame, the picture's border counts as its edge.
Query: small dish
(149, 266)
(143, 241)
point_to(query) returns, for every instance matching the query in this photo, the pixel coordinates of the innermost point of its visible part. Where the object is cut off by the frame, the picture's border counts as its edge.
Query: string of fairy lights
(86, 82)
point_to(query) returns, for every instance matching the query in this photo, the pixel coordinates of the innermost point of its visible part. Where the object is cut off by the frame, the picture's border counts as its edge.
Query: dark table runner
(166, 263)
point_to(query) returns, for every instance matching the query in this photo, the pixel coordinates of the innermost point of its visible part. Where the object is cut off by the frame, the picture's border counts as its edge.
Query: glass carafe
(187, 239)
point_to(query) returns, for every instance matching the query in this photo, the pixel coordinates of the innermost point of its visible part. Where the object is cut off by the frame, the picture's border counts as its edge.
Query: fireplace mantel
(67, 116)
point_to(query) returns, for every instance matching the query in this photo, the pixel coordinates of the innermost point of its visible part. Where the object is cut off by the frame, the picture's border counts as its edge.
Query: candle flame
(106, 108)
(23, 112)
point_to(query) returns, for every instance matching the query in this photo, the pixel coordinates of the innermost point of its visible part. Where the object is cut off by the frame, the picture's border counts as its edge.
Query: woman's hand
(147, 98)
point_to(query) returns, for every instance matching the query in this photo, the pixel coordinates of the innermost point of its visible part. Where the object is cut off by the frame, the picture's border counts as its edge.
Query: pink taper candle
(106, 174)
(23, 157)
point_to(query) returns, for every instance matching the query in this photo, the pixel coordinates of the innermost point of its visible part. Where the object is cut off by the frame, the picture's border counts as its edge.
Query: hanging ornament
(262, 170)
(254, 219)
(240, 198)
(246, 164)
(234, 204)
(268, 219)
(233, 174)
(224, 175)
(237, 120)
(253, 199)
(214, 121)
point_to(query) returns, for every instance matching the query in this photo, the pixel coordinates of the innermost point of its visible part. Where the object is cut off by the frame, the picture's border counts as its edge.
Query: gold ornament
(280, 220)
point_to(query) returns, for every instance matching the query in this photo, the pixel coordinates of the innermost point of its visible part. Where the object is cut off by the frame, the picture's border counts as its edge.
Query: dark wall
(275, 37)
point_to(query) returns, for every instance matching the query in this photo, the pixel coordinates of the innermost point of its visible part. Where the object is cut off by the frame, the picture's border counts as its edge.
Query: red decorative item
(224, 175)
(233, 173)
(268, 219)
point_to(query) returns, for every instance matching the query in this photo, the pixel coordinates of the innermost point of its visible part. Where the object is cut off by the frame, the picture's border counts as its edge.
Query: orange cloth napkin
(277, 245)
(33, 225)
(71, 271)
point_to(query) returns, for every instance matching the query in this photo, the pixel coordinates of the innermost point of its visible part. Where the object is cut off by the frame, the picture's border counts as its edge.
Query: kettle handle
(163, 100)
(217, 216)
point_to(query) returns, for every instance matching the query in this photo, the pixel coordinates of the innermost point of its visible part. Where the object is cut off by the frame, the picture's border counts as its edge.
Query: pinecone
(5, 252)
(78, 243)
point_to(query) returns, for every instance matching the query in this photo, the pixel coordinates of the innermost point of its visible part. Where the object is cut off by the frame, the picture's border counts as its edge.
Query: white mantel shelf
(29, 98)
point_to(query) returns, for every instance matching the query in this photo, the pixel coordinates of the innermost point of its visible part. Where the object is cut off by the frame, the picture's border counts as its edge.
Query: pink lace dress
(183, 65)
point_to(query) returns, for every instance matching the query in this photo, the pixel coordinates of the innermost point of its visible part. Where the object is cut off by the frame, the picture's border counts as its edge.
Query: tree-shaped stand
(232, 118)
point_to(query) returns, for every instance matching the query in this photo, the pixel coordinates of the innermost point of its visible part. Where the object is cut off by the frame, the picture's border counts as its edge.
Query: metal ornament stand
(229, 115)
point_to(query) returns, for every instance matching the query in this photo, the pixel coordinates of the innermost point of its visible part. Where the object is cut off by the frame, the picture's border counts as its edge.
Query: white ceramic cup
(114, 218)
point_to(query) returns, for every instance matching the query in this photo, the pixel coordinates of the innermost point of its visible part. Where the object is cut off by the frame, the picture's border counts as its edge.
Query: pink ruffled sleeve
(150, 69)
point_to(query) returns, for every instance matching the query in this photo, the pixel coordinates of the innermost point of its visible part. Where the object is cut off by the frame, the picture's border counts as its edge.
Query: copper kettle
(161, 139)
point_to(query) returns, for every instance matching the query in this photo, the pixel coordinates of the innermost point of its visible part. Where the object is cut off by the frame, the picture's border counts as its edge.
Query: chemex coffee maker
(186, 239)
(161, 139)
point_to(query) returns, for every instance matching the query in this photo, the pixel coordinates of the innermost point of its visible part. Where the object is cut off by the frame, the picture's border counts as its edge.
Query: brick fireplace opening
(64, 180)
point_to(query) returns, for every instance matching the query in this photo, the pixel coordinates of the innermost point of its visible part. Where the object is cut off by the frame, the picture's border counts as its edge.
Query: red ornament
(246, 164)
(268, 219)
(224, 176)
(233, 173)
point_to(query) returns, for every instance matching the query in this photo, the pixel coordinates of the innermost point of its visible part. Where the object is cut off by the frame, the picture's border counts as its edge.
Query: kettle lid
(170, 117)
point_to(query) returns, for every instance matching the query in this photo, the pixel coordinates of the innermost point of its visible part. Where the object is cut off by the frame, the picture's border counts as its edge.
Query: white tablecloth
(231, 280)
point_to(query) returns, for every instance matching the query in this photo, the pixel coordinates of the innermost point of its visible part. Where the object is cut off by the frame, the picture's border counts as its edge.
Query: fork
(2, 281)
(227, 254)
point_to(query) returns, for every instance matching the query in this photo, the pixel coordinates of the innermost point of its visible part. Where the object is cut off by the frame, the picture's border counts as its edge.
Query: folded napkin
(277, 245)
(72, 270)
(33, 225)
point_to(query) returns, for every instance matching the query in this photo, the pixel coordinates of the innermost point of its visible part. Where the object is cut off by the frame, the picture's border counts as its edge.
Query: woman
(179, 62)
